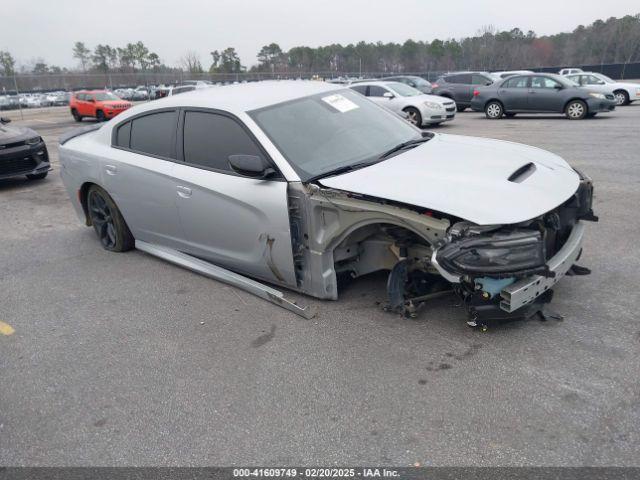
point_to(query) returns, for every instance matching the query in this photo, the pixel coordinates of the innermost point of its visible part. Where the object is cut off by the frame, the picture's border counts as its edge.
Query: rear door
(545, 95)
(514, 93)
(237, 222)
(138, 175)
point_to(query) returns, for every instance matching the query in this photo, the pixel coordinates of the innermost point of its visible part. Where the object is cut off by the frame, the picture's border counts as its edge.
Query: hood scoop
(524, 172)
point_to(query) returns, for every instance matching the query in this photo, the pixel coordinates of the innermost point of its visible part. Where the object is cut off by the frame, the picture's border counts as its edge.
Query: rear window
(154, 134)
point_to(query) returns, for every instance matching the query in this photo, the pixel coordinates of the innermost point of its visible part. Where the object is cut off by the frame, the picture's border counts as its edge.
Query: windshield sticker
(340, 103)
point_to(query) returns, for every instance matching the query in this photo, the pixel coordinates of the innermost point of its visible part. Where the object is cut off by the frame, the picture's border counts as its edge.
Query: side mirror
(252, 166)
(91, 100)
(388, 95)
(487, 83)
(5, 120)
(558, 87)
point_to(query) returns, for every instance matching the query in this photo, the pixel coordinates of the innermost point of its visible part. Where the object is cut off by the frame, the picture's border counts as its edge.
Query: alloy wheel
(102, 219)
(621, 98)
(413, 117)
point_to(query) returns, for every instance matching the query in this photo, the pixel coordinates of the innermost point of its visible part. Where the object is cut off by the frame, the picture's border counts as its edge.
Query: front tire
(100, 116)
(622, 97)
(76, 116)
(413, 116)
(493, 110)
(37, 176)
(576, 110)
(460, 108)
(107, 221)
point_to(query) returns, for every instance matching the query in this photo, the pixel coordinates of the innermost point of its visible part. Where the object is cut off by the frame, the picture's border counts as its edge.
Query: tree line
(615, 40)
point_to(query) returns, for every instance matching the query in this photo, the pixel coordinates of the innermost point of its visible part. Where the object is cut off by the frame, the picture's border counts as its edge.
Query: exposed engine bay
(499, 272)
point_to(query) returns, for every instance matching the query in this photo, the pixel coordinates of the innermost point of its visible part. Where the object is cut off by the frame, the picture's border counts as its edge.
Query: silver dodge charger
(296, 185)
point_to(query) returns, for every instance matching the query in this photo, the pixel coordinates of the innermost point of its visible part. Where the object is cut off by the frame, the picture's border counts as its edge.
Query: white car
(417, 107)
(511, 73)
(299, 184)
(569, 71)
(624, 92)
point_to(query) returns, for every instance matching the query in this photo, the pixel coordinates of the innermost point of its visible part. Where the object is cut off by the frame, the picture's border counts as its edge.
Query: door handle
(184, 192)
(110, 169)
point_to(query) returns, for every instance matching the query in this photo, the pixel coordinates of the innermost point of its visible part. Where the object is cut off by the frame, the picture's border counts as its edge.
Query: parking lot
(123, 359)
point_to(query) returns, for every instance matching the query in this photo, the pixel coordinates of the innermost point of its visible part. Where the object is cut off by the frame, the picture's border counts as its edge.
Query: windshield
(331, 130)
(603, 77)
(102, 96)
(403, 90)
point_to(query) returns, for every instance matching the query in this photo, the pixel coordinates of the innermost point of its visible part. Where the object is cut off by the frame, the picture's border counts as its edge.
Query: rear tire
(37, 176)
(622, 97)
(100, 116)
(107, 221)
(413, 116)
(76, 116)
(576, 110)
(494, 110)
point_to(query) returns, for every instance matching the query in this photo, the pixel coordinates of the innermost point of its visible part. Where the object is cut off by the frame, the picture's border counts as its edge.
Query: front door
(233, 221)
(545, 95)
(390, 101)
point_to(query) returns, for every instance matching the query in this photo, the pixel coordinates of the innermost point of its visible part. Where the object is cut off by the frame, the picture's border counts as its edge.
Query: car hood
(10, 134)
(425, 97)
(468, 177)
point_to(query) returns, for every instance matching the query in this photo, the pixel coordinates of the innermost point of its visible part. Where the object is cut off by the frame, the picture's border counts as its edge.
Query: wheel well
(494, 100)
(374, 247)
(82, 196)
(573, 100)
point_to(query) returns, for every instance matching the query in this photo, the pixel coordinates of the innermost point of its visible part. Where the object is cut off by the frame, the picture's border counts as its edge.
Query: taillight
(476, 93)
(434, 85)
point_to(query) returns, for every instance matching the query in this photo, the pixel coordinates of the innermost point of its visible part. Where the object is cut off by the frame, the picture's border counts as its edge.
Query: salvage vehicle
(418, 108)
(22, 152)
(624, 92)
(99, 104)
(300, 184)
(540, 93)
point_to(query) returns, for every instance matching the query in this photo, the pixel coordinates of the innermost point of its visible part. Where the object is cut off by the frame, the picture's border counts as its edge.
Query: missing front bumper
(525, 291)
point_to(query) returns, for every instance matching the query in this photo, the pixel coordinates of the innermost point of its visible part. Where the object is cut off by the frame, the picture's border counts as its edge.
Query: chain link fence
(32, 83)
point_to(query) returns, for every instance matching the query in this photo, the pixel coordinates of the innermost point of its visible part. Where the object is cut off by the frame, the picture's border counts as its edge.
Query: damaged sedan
(295, 185)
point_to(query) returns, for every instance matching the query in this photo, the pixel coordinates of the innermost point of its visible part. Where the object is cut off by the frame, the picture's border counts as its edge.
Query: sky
(47, 29)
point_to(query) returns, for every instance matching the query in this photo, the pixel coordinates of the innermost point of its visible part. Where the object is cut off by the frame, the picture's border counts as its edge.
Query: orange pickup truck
(100, 104)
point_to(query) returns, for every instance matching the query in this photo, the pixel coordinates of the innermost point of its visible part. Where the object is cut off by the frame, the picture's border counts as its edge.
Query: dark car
(414, 81)
(459, 86)
(22, 152)
(540, 93)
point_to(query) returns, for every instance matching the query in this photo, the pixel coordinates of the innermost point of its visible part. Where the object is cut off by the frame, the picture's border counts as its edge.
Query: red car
(100, 104)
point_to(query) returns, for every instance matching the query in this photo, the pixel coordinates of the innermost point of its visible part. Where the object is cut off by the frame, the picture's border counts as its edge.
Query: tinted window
(543, 82)
(154, 134)
(376, 91)
(209, 139)
(517, 82)
(480, 80)
(461, 78)
(123, 134)
(360, 89)
(178, 90)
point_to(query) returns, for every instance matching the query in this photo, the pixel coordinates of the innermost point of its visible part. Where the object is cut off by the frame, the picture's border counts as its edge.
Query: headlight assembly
(597, 95)
(498, 254)
(433, 105)
(34, 141)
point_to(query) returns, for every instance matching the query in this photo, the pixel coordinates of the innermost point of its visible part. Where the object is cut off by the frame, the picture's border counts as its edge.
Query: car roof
(243, 97)
(381, 83)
